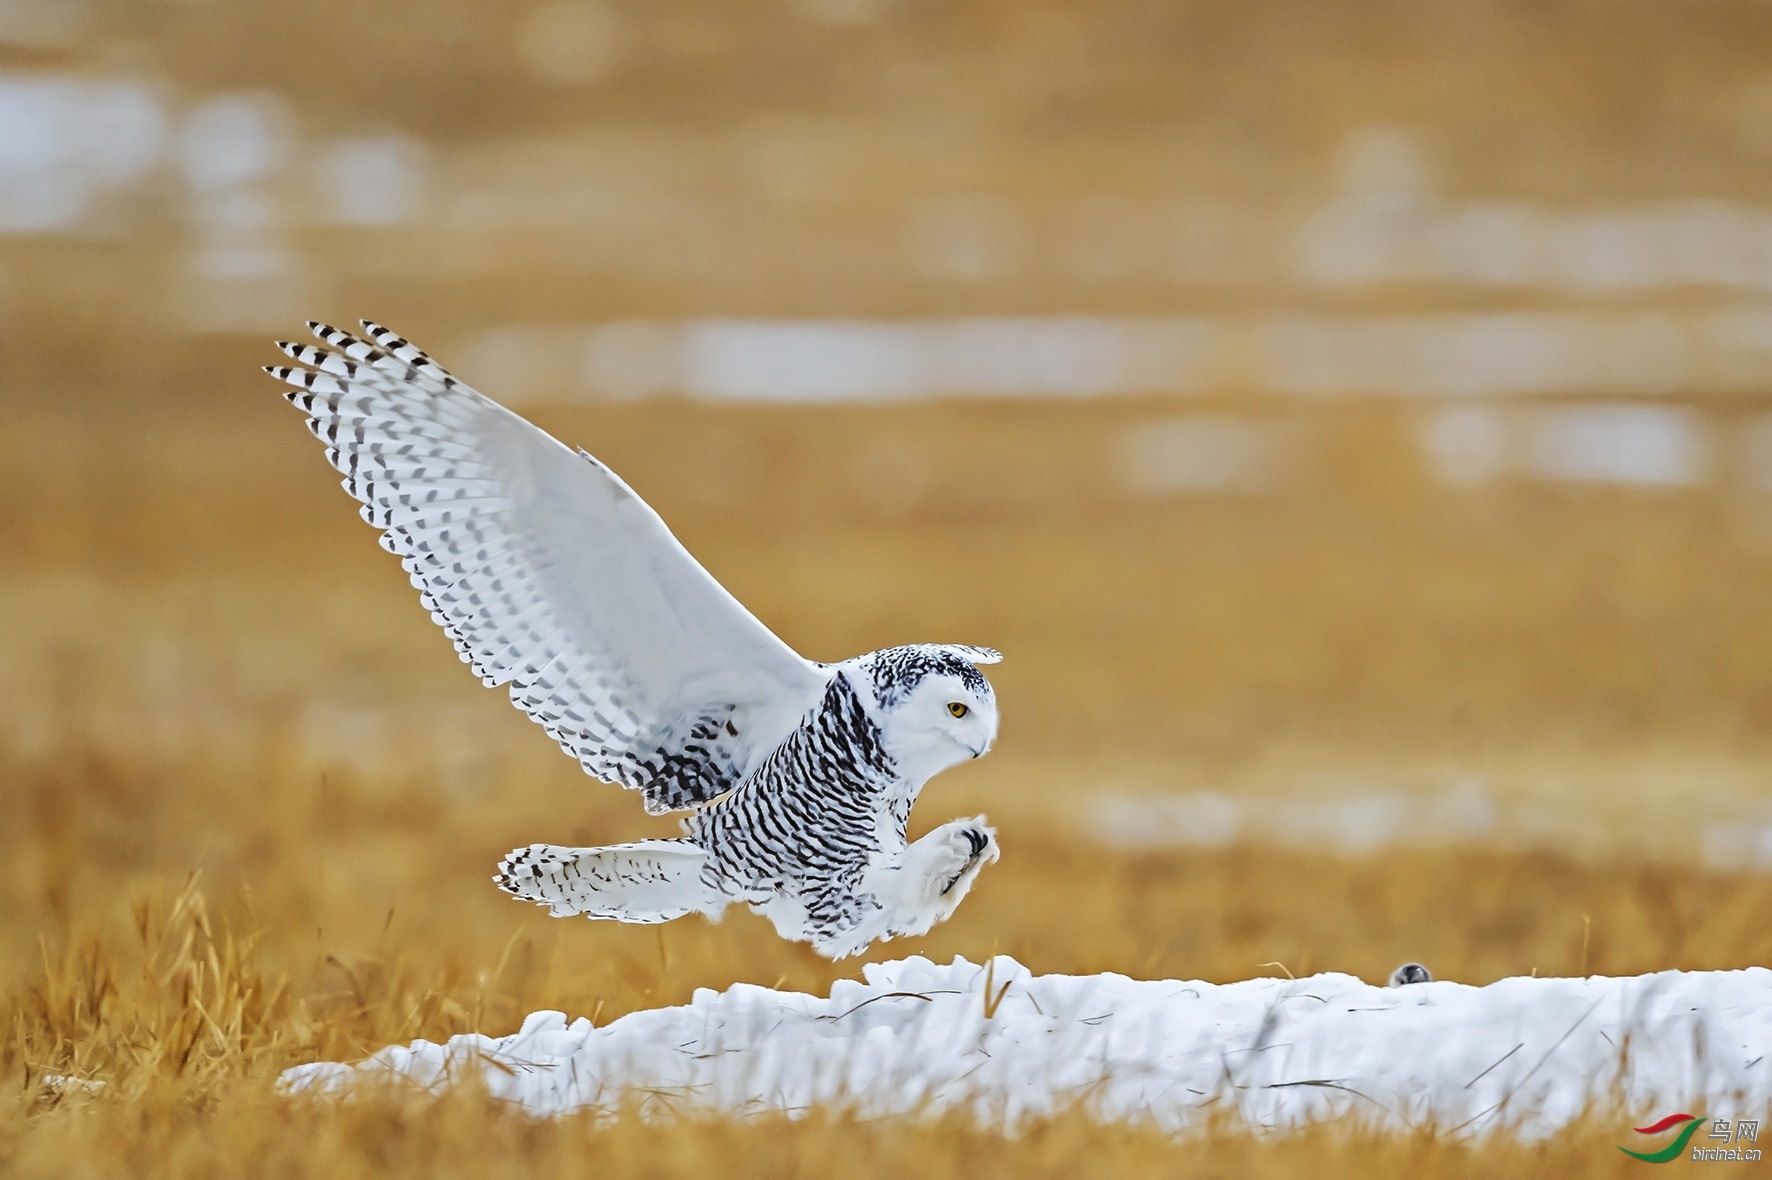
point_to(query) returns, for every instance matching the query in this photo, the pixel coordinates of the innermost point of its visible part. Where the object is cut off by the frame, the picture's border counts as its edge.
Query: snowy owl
(553, 577)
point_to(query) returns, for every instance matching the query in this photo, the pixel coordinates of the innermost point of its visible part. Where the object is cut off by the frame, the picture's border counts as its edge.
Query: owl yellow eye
(957, 709)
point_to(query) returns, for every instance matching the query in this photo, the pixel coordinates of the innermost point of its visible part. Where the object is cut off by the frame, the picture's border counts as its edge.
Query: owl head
(935, 707)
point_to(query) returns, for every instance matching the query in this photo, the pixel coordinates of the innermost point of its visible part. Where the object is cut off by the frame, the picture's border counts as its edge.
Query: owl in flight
(554, 578)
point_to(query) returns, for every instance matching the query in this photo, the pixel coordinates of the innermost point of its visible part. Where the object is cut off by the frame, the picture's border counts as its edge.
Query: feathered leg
(648, 881)
(925, 888)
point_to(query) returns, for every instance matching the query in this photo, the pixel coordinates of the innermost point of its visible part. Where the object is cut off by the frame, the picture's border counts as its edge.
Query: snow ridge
(1523, 1055)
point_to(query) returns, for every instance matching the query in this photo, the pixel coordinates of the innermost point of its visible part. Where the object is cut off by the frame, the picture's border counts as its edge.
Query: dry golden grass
(222, 675)
(250, 1133)
(186, 1011)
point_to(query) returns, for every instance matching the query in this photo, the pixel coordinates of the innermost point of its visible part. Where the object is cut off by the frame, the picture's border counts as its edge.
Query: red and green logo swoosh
(1692, 1121)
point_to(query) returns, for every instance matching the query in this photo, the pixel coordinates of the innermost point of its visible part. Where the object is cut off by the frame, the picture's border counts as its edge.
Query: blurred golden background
(1353, 421)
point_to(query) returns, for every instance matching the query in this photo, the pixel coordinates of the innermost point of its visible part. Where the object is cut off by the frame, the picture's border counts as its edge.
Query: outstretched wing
(551, 575)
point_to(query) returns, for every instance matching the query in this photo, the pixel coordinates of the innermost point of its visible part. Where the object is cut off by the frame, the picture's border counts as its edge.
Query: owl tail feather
(647, 881)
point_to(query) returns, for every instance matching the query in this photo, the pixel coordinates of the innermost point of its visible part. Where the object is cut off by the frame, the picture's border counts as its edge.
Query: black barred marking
(897, 671)
(805, 822)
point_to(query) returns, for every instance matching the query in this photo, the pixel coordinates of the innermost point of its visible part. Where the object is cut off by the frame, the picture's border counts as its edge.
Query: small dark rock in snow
(1410, 973)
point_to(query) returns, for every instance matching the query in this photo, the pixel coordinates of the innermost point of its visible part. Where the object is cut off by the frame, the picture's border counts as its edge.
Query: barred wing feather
(551, 575)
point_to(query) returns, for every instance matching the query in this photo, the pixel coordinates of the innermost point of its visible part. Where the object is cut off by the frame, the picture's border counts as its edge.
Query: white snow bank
(1525, 1055)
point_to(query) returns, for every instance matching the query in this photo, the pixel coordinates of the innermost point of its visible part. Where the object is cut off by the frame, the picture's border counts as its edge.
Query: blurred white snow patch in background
(837, 361)
(786, 361)
(66, 141)
(1463, 356)
(1644, 445)
(1198, 819)
(243, 268)
(1521, 1056)
(1200, 453)
(1467, 445)
(1387, 225)
(234, 139)
(1624, 444)
(1733, 845)
(373, 180)
(1354, 825)
(1729, 838)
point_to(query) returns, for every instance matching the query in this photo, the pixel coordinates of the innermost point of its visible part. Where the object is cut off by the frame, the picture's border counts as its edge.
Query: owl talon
(979, 843)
